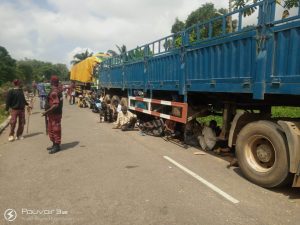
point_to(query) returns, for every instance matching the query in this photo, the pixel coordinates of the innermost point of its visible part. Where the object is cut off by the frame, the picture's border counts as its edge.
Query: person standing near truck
(16, 101)
(54, 105)
(71, 93)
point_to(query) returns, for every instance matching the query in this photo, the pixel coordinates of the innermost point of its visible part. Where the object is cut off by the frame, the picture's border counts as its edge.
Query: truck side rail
(240, 57)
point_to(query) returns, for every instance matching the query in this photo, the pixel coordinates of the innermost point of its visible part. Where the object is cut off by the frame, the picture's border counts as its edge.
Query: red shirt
(53, 97)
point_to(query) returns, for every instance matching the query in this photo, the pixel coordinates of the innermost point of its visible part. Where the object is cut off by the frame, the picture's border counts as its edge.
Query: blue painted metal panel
(260, 60)
(163, 72)
(134, 75)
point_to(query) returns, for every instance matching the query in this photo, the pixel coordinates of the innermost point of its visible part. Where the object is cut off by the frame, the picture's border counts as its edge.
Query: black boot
(51, 147)
(55, 149)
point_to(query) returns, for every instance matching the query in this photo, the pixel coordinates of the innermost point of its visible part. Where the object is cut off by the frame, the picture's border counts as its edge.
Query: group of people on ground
(116, 111)
(111, 110)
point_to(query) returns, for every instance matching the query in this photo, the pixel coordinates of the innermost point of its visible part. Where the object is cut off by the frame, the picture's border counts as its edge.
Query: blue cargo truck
(241, 69)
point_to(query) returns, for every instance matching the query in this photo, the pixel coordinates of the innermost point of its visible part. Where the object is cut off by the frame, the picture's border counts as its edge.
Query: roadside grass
(3, 90)
(277, 111)
(3, 113)
(283, 111)
(205, 120)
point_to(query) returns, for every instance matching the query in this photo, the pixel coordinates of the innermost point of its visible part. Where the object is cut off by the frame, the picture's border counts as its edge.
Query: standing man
(34, 87)
(54, 105)
(15, 101)
(72, 93)
(42, 94)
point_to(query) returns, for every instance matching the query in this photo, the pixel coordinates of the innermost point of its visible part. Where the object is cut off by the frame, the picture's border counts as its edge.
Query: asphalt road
(106, 176)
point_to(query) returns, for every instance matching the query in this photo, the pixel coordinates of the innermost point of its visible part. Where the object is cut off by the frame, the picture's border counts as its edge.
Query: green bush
(3, 92)
(3, 114)
(284, 111)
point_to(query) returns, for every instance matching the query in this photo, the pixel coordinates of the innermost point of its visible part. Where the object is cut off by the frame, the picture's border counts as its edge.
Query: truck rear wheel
(262, 154)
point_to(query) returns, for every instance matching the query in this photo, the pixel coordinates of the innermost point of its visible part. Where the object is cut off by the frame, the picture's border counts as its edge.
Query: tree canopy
(286, 4)
(203, 13)
(28, 70)
(7, 66)
(77, 58)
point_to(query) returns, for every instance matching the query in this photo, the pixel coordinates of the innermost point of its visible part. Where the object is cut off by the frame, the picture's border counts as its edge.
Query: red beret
(54, 79)
(16, 82)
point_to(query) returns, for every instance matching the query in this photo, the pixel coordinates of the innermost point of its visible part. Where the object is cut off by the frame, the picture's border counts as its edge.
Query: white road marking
(208, 184)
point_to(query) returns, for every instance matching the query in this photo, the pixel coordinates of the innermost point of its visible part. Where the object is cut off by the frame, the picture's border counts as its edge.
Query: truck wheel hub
(264, 153)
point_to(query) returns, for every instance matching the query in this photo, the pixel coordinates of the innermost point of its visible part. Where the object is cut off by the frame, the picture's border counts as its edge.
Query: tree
(112, 53)
(77, 58)
(122, 49)
(7, 66)
(177, 26)
(31, 69)
(205, 12)
(287, 4)
(61, 71)
(25, 72)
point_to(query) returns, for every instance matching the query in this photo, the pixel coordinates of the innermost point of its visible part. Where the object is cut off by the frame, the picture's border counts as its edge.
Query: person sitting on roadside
(207, 138)
(154, 127)
(81, 102)
(126, 120)
(170, 129)
(191, 133)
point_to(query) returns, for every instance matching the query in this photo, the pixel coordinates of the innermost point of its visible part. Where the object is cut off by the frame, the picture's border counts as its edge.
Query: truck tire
(262, 154)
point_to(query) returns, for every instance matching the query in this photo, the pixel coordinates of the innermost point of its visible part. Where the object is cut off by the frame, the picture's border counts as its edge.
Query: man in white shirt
(208, 138)
(125, 120)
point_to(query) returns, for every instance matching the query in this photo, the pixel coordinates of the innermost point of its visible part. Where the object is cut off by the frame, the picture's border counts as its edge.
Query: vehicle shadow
(292, 193)
(32, 135)
(288, 190)
(68, 146)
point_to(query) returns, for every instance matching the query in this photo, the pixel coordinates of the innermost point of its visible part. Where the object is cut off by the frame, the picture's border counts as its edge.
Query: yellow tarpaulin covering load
(83, 71)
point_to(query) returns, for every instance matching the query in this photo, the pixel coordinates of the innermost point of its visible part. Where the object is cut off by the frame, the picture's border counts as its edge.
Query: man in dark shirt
(53, 111)
(15, 101)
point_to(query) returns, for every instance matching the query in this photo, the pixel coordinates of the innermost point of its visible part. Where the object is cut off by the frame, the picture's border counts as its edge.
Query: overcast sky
(54, 30)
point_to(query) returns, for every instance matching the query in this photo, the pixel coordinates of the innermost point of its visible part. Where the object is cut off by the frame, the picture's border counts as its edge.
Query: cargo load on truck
(84, 70)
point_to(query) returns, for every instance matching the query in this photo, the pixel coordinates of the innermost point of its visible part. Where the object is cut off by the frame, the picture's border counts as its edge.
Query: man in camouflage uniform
(54, 105)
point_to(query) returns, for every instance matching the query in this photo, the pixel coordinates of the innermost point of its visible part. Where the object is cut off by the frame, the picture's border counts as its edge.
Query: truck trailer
(227, 65)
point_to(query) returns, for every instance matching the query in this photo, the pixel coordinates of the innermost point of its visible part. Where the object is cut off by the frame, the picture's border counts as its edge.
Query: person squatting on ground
(126, 120)
(54, 105)
(153, 128)
(208, 137)
(16, 101)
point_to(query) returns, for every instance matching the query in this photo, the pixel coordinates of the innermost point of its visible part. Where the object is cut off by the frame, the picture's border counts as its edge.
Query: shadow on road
(288, 190)
(67, 146)
(36, 113)
(292, 193)
(33, 134)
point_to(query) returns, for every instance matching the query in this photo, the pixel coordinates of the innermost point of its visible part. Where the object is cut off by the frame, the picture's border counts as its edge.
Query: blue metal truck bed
(259, 59)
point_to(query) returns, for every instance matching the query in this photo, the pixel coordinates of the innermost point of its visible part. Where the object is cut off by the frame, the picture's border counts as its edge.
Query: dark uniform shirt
(15, 99)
